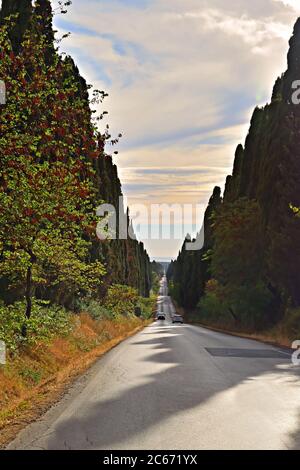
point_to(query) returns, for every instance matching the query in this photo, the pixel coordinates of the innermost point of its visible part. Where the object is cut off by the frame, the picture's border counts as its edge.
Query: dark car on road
(161, 316)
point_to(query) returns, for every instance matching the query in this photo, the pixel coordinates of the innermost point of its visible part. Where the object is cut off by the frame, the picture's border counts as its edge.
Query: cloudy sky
(183, 77)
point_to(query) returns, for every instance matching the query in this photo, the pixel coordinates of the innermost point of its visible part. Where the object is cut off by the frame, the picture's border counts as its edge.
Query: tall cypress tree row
(252, 247)
(190, 271)
(58, 129)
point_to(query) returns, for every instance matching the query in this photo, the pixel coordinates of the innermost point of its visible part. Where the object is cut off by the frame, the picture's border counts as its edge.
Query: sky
(183, 78)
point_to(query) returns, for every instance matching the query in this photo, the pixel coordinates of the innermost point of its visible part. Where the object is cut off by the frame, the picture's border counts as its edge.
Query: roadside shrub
(96, 310)
(238, 306)
(46, 322)
(31, 376)
(251, 304)
(291, 323)
(147, 306)
(121, 300)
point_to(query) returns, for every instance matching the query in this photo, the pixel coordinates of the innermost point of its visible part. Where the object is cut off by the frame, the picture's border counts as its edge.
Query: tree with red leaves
(47, 194)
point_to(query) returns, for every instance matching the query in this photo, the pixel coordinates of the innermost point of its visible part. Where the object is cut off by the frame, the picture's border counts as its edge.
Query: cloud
(183, 79)
(253, 32)
(293, 4)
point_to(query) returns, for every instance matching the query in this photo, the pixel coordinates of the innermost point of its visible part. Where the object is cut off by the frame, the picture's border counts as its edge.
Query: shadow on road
(184, 382)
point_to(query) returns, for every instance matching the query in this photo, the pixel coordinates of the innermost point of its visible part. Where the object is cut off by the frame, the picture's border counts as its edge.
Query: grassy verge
(273, 336)
(38, 375)
(283, 334)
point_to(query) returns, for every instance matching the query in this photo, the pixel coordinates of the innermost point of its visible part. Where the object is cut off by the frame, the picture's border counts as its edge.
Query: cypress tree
(266, 177)
(44, 16)
(293, 71)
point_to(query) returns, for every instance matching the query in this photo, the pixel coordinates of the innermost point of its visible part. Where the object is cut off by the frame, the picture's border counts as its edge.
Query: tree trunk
(28, 292)
(28, 295)
(234, 316)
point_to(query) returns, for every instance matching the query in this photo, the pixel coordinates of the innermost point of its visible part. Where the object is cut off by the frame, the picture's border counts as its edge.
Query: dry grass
(277, 336)
(31, 382)
(281, 335)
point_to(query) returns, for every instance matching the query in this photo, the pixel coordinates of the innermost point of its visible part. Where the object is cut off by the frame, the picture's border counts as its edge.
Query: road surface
(177, 387)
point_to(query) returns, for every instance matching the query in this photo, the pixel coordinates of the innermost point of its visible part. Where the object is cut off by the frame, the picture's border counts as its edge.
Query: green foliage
(238, 307)
(252, 236)
(155, 282)
(54, 172)
(238, 229)
(214, 306)
(147, 306)
(189, 272)
(96, 310)
(18, 13)
(291, 323)
(45, 174)
(31, 376)
(46, 322)
(237, 292)
(176, 291)
(157, 268)
(283, 258)
(121, 300)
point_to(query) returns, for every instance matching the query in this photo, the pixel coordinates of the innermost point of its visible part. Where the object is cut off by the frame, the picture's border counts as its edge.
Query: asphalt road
(177, 387)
